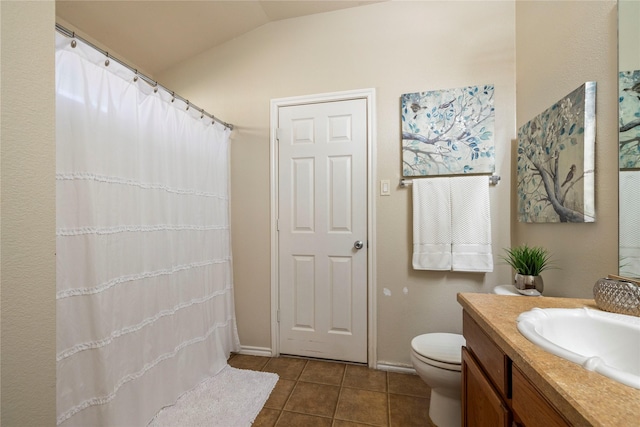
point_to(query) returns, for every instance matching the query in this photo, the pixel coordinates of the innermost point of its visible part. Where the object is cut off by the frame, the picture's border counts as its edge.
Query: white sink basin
(603, 342)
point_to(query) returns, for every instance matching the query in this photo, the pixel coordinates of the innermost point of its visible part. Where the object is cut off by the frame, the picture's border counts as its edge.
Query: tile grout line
(281, 409)
(297, 381)
(388, 399)
(291, 392)
(335, 411)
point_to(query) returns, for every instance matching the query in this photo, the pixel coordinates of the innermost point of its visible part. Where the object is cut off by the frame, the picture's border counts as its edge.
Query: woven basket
(617, 296)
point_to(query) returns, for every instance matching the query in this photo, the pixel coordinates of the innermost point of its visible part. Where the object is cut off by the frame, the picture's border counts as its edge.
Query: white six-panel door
(322, 215)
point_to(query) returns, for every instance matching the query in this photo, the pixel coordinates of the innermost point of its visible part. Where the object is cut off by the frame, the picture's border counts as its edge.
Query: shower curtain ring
(74, 43)
(187, 105)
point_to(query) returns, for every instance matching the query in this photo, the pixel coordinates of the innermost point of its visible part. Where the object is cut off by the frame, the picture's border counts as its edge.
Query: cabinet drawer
(491, 358)
(530, 406)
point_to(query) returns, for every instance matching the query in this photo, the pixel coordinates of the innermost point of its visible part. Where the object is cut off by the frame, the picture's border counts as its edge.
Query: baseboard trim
(402, 369)
(382, 366)
(255, 351)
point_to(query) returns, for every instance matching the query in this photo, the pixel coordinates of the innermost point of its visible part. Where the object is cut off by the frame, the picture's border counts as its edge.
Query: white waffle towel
(431, 224)
(471, 224)
(452, 224)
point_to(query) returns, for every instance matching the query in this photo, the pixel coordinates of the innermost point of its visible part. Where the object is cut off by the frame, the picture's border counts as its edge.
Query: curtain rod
(153, 83)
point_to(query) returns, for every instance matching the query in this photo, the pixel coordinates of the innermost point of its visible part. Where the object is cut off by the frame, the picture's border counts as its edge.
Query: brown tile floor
(318, 393)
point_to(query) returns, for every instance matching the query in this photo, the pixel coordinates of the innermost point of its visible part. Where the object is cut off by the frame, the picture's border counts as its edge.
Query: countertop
(583, 397)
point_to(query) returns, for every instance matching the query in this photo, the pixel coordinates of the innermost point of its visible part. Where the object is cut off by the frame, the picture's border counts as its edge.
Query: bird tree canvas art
(555, 161)
(629, 102)
(448, 132)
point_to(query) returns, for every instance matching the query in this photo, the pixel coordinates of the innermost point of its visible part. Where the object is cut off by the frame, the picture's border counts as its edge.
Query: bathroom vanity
(507, 380)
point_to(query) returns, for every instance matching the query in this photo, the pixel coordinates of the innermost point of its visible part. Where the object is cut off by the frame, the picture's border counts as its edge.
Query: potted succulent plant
(528, 262)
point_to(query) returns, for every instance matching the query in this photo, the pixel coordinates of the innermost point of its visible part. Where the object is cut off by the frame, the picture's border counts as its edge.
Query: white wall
(629, 34)
(577, 43)
(394, 47)
(28, 278)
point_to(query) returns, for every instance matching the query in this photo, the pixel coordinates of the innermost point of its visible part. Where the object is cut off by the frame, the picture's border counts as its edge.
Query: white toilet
(437, 359)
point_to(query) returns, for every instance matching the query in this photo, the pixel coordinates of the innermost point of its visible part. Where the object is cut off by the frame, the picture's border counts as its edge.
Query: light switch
(385, 187)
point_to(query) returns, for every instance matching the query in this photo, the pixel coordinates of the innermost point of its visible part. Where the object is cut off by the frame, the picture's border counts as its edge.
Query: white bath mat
(232, 398)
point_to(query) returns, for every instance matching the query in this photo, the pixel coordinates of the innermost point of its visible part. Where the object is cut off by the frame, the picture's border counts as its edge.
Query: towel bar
(493, 180)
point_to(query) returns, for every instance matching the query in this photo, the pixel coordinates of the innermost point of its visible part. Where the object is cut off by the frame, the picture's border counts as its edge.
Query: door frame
(370, 96)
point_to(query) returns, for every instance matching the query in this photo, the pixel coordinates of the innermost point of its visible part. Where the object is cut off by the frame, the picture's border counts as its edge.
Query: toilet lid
(442, 347)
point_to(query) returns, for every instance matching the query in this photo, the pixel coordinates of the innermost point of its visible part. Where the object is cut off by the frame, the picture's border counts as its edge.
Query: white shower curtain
(144, 278)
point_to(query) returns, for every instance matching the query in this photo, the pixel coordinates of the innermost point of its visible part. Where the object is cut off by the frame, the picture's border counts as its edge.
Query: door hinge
(278, 224)
(278, 315)
(278, 133)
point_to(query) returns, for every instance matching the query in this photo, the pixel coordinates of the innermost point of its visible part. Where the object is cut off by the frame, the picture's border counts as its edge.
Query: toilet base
(445, 410)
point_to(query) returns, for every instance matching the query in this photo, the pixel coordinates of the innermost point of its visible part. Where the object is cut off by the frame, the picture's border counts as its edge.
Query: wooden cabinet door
(488, 355)
(530, 406)
(481, 403)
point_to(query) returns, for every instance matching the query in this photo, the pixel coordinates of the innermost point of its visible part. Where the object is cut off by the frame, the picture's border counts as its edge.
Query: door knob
(358, 244)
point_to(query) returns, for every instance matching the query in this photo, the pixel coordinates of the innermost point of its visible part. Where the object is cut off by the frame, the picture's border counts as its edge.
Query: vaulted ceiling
(157, 35)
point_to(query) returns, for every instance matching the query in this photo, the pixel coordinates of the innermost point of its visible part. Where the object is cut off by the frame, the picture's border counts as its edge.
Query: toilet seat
(446, 366)
(441, 350)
